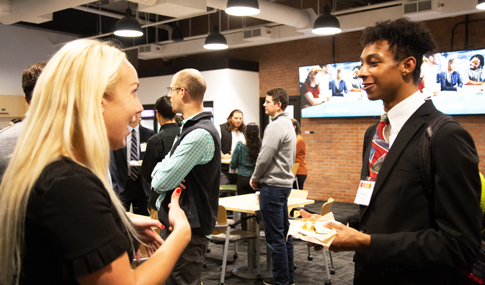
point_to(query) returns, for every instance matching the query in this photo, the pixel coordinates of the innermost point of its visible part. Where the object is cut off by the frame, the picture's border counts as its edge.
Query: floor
(308, 272)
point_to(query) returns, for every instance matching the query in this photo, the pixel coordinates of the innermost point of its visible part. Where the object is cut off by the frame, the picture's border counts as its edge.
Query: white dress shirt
(399, 114)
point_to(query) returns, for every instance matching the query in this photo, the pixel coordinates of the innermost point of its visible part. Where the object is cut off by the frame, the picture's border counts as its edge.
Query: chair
(294, 170)
(228, 190)
(224, 233)
(326, 208)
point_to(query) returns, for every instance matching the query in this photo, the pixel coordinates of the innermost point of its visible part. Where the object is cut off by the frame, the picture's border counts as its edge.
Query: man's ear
(279, 106)
(408, 65)
(26, 99)
(185, 96)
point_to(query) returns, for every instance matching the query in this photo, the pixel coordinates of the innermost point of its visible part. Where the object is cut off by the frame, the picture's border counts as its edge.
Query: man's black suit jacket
(121, 162)
(413, 240)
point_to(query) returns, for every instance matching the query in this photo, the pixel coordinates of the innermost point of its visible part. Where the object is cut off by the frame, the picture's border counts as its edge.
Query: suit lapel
(407, 132)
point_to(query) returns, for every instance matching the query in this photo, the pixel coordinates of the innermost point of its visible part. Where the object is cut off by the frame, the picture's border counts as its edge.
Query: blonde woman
(60, 221)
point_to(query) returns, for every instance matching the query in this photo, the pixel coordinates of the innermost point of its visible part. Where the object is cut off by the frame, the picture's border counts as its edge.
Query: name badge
(364, 193)
(143, 147)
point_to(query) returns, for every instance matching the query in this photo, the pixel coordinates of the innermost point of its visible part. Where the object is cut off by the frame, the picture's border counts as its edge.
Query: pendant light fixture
(326, 24)
(481, 4)
(242, 7)
(128, 26)
(215, 40)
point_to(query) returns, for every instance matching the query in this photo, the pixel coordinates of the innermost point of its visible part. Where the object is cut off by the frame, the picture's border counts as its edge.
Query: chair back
(327, 207)
(221, 220)
(295, 167)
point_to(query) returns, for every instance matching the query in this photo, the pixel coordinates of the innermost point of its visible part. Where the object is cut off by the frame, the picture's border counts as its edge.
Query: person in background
(178, 120)
(159, 145)
(195, 160)
(244, 159)
(273, 176)
(231, 132)
(14, 121)
(356, 81)
(451, 80)
(62, 222)
(134, 191)
(302, 172)
(9, 136)
(310, 89)
(408, 233)
(339, 87)
(430, 74)
(476, 74)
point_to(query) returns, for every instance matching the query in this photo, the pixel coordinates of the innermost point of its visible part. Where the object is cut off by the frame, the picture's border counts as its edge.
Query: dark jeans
(273, 203)
(301, 181)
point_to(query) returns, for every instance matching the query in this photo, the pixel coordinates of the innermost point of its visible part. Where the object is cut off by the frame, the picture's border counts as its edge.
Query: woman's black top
(72, 228)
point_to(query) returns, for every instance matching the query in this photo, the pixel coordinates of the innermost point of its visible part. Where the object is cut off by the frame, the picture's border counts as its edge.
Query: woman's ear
(103, 104)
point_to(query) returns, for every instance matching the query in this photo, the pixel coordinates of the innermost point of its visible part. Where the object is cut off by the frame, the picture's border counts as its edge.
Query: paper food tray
(318, 234)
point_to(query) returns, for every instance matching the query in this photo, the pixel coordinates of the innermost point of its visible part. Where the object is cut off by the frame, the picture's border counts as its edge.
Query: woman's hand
(176, 216)
(144, 225)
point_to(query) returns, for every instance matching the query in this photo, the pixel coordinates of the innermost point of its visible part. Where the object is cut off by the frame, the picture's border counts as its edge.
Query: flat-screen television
(454, 81)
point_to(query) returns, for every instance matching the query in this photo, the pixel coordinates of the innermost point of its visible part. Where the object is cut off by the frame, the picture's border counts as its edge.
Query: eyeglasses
(171, 89)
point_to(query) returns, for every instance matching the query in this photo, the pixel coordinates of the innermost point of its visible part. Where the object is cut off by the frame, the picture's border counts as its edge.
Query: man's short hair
(194, 83)
(30, 76)
(279, 96)
(164, 108)
(405, 39)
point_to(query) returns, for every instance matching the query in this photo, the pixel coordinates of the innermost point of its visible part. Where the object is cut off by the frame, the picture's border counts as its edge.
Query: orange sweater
(300, 156)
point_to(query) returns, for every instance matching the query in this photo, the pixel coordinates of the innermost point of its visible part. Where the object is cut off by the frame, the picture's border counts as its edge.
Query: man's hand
(348, 239)
(254, 185)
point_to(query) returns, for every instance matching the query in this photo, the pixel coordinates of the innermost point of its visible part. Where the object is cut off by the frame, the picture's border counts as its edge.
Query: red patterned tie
(380, 147)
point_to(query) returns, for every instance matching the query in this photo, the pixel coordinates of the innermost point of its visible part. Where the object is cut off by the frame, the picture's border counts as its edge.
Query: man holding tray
(409, 234)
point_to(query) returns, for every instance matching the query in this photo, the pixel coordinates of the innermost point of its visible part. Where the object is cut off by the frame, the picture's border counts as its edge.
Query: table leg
(253, 269)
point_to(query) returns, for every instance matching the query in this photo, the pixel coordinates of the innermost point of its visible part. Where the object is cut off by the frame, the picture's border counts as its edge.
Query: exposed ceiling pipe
(273, 12)
(22, 10)
(369, 7)
(149, 25)
(99, 12)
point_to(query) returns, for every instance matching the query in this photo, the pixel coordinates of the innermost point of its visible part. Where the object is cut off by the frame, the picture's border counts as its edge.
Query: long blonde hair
(65, 119)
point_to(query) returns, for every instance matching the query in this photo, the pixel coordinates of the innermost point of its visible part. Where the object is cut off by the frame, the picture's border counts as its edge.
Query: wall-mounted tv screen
(453, 80)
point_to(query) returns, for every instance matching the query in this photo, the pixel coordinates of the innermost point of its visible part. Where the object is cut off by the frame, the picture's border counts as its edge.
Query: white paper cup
(257, 197)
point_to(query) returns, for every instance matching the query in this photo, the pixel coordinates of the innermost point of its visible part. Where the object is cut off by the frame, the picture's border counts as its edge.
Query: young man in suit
(133, 190)
(408, 234)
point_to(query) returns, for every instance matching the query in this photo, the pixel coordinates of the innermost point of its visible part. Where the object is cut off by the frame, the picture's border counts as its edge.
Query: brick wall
(334, 151)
